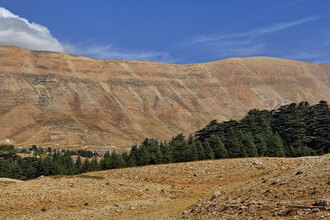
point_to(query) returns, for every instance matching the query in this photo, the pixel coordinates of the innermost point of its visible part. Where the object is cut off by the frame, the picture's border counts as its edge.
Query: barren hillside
(247, 187)
(301, 191)
(52, 99)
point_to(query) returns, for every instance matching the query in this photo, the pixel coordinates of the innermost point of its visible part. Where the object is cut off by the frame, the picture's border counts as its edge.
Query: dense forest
(292, 130)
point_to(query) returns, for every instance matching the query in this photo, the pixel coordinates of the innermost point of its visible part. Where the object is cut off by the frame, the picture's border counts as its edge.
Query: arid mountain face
(55, 99)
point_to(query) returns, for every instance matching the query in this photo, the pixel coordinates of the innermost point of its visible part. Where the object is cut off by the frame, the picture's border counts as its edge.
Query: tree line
(292, 130)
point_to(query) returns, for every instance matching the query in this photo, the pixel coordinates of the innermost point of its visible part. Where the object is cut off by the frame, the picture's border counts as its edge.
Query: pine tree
(249, 145)
(205, 133)
(78, 165)
(125, 156)
(218, 147)
(85, 167)
(142, 156)
(41, 169)
(275, 146)
(94, 165)
(181, 150)
(209, 154)
(158, 156)
(167, 153)
(103, 165)
(290, 151)
(131, 161)
(235, 148)
(261, 145)
(319, 128)
(200, 150)
(115, 161)
(49, 164)
(192, 145)
(304, 151)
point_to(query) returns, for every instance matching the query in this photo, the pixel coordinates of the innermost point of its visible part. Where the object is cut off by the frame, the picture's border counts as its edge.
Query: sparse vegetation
(292, 130)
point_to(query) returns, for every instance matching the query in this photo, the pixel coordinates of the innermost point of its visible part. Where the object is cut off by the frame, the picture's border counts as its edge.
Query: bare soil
(164, 191)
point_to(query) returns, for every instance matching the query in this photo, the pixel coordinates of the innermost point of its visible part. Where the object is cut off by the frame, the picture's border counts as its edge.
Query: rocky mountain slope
(55, 99)
(246, 188)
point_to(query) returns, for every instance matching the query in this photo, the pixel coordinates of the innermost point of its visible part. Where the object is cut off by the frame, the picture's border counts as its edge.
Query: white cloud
(317, 52)
(18, 31)
(252, 33)
(255, 43)
(111, 52)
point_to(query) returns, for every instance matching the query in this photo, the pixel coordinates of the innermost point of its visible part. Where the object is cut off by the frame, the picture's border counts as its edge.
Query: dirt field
(164, 191)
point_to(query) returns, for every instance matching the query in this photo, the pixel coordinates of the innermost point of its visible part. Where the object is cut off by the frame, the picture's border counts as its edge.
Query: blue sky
(173, 31)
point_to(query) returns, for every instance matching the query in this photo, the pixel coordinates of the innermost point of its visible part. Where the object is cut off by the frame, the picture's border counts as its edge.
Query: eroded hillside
(52, 99)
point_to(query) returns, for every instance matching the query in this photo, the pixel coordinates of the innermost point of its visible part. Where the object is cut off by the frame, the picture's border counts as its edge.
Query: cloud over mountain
(18, 31)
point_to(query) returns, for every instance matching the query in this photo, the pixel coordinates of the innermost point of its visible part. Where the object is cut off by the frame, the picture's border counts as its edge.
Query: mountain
(56, 99)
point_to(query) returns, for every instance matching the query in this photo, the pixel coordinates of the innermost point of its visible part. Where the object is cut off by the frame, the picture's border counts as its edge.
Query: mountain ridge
(74, 101)
(102, 59)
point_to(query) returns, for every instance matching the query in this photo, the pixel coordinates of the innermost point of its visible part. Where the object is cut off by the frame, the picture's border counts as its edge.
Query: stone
(321, 202)
(315, 210)
(275, 182)
(285, 212)
(215, 195)
(256, 162)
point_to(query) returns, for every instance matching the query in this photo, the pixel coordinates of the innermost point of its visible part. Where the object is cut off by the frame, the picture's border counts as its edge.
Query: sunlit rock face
(55, 99)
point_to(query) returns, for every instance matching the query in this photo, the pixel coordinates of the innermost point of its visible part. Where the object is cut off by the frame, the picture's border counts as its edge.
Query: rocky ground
(245, 188)
(293, 192)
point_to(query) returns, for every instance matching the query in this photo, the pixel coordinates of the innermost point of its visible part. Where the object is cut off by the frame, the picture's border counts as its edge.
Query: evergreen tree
(167, 153)
(205, 133)
(192, 145)
(218, 147)
(275, 146)
(40, 168)
(116, 161)
(157, 155)
(200, 150)
(181, 150)
(209, 154)
(142, 156)
(131, 161)
(125, 156)
(319, 128)
(290, 151)
(78, 165)
(304, 151)
(94, 165)
(260, 144)
(235, 146)
(85, 167)
(249, 145)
